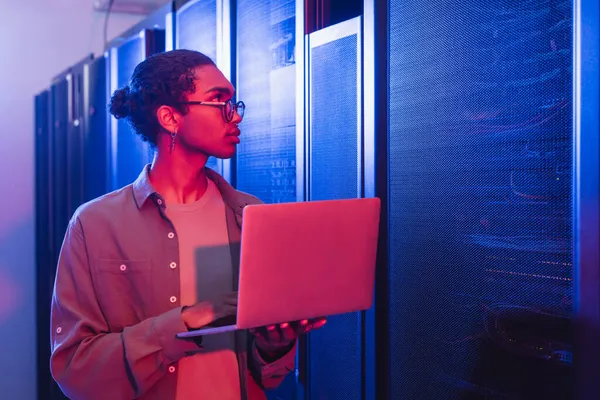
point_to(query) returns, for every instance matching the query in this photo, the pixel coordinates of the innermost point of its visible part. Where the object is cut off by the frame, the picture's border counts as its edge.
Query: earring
(173, 136)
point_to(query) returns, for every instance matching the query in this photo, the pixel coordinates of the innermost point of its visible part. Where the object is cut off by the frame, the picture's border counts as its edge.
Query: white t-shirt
(206, 272)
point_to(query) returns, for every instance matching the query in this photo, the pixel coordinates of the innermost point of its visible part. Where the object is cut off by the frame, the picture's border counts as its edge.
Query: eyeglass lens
(232, 107)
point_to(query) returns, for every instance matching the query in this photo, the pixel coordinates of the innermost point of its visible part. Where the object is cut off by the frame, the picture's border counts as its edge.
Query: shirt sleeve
(270, 375)
(88, 361)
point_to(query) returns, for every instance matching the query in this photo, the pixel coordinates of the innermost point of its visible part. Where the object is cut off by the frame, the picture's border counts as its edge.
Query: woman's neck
(177, 178)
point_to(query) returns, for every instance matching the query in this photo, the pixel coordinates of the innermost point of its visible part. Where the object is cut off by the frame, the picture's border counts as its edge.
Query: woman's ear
(168, 118)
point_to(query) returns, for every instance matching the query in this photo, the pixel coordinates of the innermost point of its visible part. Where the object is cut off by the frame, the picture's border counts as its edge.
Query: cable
(108, 9)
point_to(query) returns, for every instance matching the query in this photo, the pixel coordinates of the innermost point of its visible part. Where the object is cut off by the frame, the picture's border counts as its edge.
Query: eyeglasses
(229, 107)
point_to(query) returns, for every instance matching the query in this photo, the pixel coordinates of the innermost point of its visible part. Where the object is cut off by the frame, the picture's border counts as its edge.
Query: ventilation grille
(480, 225)
(335, 351)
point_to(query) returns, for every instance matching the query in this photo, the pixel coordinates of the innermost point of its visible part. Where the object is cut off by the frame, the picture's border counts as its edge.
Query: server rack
(75, 136)
(129, 153)
(268, 49)
(269, 74)
(491, 196)
(59, 106)
(205, 26)
(586, 193)
(96, 122)
(65, 106)
(339, 164)
(58, 193)
(415, 290)
(45, 257)
(57, 223)
(299, 141)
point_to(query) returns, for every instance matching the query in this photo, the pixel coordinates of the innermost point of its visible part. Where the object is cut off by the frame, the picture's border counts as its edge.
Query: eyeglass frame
(222, 104)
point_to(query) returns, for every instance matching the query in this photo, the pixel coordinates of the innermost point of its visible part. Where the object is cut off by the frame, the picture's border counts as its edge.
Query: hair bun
(120, 105)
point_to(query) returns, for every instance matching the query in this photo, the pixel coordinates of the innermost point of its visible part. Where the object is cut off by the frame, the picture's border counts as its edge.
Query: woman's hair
(162, 79)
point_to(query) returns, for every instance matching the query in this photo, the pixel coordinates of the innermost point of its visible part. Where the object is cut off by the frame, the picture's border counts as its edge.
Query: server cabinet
(338, 366)
(485, 208)
(64, 192)
(270, 80)
(270, 76)
(205, 26)
(96, 122)
(75, 135)
(45, 257)
(59, 93)
(43, 179)
(129, 153)
(155, 34)
(586, 188)
(198, 26)
(58, 221)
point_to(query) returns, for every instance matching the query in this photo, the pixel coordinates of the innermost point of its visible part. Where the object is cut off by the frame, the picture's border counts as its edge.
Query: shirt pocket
(124, 291)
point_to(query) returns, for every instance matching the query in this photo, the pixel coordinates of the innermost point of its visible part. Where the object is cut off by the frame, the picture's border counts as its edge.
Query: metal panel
(43, 238)
(50, 120)
(60, 118)
(170, 31)
(335, 171)
(63, 192)
(160, 19)
(129, 153)
(75, 132)
(266, 80)
(196, 25)
(269, 65)
(42, 172)
(96, 140)
(335, 111)
(58, 196)
(205, 26)
(378, 11)
(224, 51)
(154, 34)
(480, 199)
(586, 190)
(369, 180)
(301, 81)
(113, 61)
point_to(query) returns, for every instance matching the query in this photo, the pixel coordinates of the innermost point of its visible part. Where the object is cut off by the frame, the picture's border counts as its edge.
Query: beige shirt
(205, 262)
(116, 307)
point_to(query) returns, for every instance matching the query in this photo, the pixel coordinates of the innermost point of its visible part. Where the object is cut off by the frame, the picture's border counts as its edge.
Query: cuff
(287, 362)
(166, 326)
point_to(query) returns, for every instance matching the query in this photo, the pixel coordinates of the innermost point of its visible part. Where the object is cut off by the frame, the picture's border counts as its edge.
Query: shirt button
(123, 267)
(171, 235)
(58, 330)
(173, 265)
(173, 299)
(171, 369)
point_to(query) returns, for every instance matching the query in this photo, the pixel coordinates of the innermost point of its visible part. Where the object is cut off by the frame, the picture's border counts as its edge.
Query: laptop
(304, 260)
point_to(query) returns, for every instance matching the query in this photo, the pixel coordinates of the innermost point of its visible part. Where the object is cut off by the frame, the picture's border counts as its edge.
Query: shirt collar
(143, 190)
